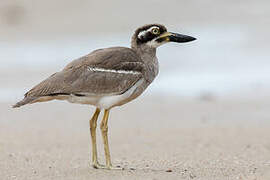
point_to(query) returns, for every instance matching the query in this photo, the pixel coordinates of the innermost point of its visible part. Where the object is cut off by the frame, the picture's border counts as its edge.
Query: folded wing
(108, 71)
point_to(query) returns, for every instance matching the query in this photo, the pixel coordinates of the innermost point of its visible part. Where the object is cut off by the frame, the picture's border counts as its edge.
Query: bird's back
(108, 71)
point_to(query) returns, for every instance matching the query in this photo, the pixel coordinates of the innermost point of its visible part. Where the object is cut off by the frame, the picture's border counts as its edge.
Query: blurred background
(230, 57)
(206, 116)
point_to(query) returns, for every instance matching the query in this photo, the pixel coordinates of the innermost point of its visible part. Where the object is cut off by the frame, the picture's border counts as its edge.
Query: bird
(106, 78)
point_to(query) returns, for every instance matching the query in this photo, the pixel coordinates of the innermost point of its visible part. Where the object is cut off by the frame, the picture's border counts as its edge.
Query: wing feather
(77, 78)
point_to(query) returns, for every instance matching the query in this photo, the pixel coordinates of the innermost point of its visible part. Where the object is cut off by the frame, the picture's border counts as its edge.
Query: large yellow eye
(155, 31)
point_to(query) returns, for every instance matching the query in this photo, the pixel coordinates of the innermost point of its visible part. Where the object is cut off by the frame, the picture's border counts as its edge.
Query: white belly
(104, 102)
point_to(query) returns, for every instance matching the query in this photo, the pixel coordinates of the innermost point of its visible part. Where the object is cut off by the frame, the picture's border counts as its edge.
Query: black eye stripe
(148, 35)
(143, 33)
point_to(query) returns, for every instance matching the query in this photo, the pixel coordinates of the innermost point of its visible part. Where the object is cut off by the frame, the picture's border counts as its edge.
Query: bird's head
(155, 35)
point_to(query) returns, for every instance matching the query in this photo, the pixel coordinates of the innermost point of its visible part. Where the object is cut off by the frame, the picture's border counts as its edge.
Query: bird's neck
(146, 53)
(148, 56)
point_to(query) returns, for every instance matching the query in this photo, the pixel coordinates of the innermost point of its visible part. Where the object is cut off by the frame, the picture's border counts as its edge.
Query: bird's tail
(26, 100)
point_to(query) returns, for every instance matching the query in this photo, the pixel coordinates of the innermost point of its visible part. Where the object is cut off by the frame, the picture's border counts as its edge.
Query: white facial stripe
(141, 34)
(95, 69)
(153, 43)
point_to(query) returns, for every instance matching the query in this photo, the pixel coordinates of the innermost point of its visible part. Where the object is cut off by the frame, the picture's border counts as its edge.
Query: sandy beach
(152, 138)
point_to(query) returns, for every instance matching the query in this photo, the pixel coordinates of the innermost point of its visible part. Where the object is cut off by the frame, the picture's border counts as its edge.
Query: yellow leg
(93, 125)
(104, 131)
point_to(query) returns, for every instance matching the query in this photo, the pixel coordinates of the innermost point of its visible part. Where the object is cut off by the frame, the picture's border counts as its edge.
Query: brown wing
(102, 72)
(109, 58)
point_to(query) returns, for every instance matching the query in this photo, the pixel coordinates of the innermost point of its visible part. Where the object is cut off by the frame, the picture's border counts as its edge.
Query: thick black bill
(180, 38)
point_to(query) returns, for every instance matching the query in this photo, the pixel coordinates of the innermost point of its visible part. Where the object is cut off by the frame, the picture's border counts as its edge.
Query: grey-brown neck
(148, 56)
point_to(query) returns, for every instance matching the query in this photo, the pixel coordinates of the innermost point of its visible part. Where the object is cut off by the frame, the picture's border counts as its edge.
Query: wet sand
(160, 138)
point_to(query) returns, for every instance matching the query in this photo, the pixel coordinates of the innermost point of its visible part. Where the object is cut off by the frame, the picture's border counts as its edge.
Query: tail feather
(25, 101)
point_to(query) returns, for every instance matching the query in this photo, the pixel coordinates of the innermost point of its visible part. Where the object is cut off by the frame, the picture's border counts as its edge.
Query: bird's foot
(109, 167)
(115, 167)
(96, 165)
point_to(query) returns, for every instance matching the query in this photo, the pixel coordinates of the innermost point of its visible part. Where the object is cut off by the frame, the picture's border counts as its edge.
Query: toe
(98, 166)
(115, 167)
